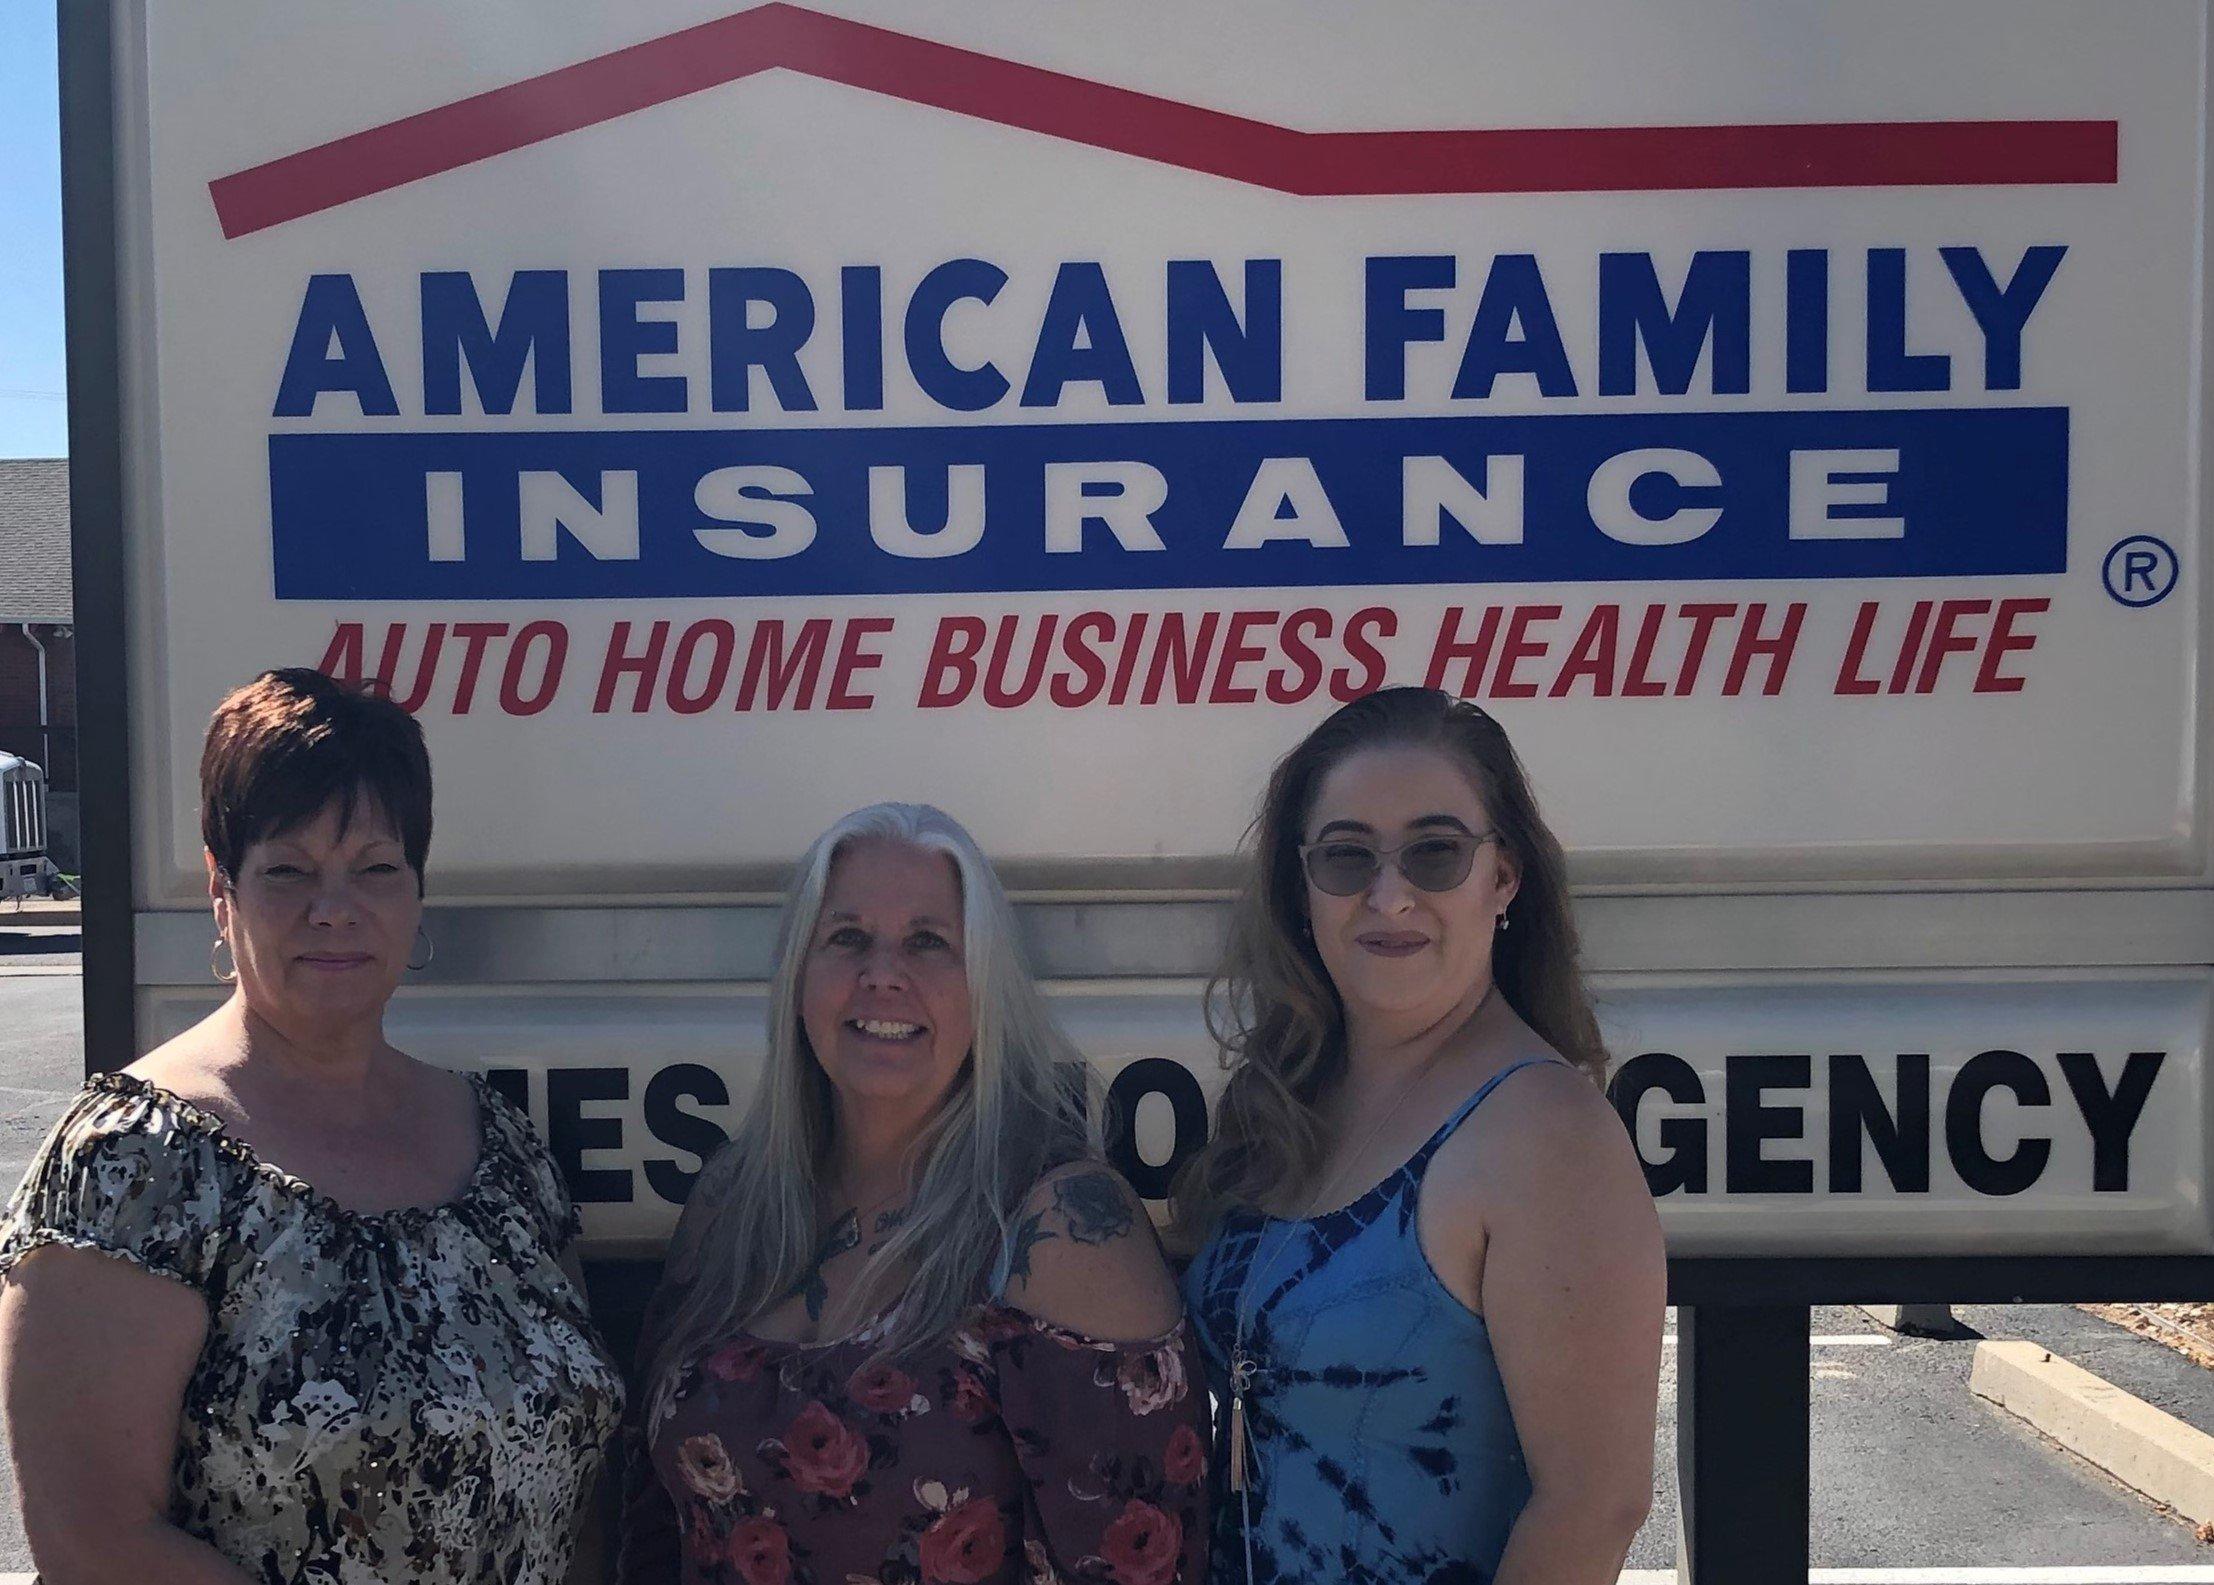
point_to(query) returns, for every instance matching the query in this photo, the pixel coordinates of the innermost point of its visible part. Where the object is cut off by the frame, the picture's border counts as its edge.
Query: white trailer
(25, 868)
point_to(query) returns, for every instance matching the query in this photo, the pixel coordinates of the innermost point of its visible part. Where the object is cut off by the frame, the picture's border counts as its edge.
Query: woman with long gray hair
(913, 1328)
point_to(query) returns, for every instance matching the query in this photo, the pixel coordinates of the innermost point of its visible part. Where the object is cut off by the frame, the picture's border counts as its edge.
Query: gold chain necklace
(1245, 1366)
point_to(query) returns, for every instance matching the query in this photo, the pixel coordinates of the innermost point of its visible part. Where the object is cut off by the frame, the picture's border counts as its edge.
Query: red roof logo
(786, 37)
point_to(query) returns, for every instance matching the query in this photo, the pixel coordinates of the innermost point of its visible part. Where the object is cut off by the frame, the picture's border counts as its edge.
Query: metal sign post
(91, 265)
(1743, 1381)
(1742, 1399)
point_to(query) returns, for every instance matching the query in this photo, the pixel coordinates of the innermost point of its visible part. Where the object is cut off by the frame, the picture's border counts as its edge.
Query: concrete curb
(2143, 1447)
(41, 916)
(1913, 1320)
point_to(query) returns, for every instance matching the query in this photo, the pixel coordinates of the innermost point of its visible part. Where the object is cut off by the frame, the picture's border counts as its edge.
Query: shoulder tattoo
(1094, 1206)
(1029, 1233)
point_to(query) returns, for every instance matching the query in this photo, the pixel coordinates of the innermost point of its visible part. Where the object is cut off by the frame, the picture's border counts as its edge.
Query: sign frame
(1741, 1462)
(1083, 928)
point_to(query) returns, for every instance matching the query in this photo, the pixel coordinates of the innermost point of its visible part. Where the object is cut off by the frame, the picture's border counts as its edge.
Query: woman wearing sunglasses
(1429, 1278)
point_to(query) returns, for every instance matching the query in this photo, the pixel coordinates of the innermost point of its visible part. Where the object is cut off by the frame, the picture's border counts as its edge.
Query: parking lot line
(1825, 1339)
(2042, 1574)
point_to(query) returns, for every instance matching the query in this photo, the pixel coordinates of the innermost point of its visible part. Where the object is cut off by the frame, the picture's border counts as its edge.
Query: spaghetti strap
(1460, 1115)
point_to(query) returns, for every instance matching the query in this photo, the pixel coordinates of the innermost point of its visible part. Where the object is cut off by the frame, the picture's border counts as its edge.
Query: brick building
(38, 649)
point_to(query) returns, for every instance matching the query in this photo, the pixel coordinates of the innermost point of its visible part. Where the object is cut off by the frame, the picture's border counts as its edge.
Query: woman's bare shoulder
(187, 1065)
(1545, 1123)
(1082, 1253)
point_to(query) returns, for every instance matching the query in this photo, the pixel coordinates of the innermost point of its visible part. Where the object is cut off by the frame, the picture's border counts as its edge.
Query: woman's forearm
(125, 1554)
(1570, 1538)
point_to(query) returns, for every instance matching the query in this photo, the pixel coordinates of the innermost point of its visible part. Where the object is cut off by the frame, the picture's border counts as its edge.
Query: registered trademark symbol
(2140, 570)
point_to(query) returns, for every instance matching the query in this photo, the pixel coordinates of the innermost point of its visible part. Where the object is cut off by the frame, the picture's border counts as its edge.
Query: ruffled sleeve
(1112, 1442)
(538, 1184)
(128, 1173)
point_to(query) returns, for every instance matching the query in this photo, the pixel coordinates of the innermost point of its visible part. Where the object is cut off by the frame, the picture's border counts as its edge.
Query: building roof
(34, 539)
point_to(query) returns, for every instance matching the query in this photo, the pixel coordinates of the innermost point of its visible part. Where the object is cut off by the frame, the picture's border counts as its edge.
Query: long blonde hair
(1272, 1008)
(1018, 1107)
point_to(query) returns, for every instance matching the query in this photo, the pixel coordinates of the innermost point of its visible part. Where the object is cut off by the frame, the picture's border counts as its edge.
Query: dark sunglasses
(1436, 862)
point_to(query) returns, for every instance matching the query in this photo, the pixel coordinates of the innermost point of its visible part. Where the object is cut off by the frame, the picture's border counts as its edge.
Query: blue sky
(33, 419)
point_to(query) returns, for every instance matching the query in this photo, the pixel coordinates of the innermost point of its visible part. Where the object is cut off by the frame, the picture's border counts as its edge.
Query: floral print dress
(1020, 1453)
(411, 1398)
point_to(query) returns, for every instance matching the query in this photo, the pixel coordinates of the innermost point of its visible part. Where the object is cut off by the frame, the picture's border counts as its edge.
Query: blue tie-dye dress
(1381, 1447)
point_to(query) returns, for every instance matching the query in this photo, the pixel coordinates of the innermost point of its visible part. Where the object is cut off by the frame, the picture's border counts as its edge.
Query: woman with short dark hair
(280, 1302)
(1432, 1278)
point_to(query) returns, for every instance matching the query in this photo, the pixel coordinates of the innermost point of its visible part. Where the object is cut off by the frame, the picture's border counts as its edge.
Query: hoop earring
(430, 950)
(1502, 920)
(223, 976)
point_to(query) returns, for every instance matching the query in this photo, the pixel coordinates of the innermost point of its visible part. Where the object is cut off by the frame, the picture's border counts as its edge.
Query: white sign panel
(1782, 414)
(1837, 1115)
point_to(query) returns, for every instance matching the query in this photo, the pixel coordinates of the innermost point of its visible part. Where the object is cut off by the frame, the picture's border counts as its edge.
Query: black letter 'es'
(1749, 1124)
(2112, 1118)
(1902, 1142)
(569, 1133)
(1978, 1168)
(1684, 1138)
(672, 1125)
(1151, 1076)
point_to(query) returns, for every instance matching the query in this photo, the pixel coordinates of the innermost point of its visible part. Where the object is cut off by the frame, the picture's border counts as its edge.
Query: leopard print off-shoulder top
(416, 1396)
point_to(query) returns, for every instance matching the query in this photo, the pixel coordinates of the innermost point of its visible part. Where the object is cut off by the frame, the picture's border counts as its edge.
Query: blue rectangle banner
(1547, 498)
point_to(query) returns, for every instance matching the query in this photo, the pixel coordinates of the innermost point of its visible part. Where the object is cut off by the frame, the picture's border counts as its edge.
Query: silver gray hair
(1019, 1106)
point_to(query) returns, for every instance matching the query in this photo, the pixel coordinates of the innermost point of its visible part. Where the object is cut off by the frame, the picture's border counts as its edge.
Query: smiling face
(1396, 953)
(884, 992)
(320, 920)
